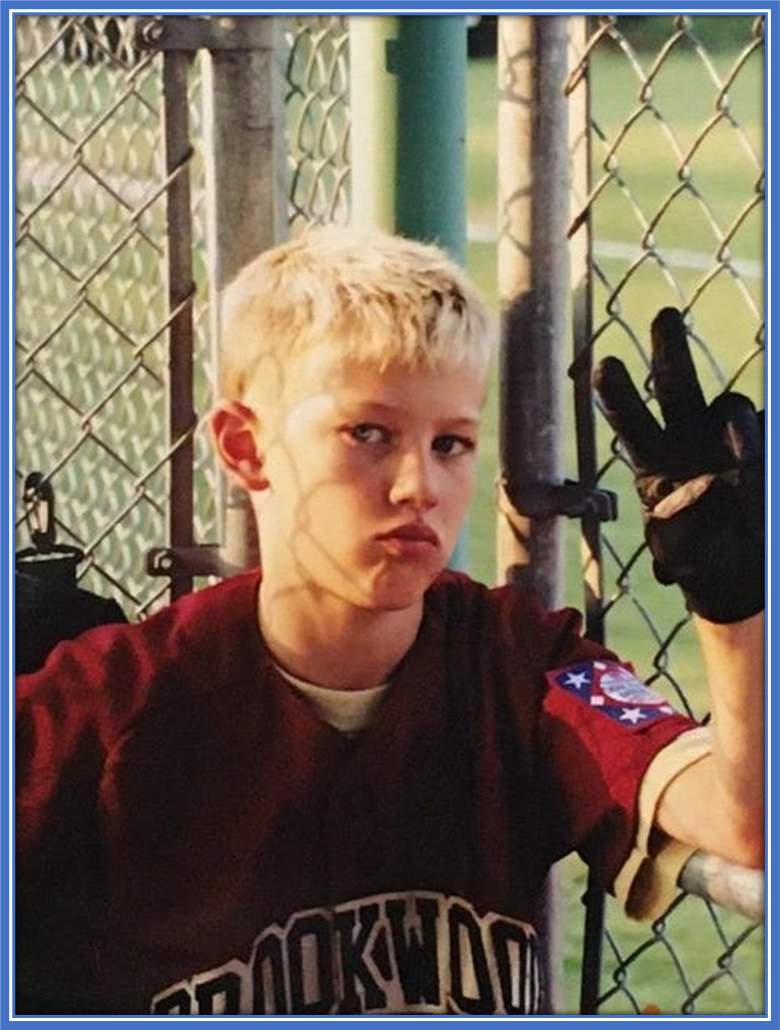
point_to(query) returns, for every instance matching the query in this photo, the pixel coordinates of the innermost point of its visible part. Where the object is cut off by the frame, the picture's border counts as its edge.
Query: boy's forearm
(734, 661)
(717, 804)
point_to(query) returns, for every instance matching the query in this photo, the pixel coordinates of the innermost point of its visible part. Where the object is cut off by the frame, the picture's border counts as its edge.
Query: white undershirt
(346, 710)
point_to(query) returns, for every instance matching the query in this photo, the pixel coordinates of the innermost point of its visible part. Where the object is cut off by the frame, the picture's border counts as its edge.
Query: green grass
(653, 977)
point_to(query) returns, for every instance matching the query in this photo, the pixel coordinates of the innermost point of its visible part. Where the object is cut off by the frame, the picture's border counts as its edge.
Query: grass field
(727, 316)
(90, 357)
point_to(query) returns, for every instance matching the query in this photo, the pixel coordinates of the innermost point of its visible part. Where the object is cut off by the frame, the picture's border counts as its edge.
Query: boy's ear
(234, 432)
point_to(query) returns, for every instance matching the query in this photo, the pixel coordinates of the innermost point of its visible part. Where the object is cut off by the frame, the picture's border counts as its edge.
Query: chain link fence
(317, 108)
(673, 208)
(91, 301)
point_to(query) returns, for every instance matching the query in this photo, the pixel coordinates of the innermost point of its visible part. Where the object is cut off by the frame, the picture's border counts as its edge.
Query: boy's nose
(414, 482)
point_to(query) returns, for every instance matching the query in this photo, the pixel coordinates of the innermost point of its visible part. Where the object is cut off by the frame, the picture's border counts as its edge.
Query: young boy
(338, 785)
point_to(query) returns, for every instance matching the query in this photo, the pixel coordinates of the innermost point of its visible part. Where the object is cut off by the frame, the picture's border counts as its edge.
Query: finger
(735, 422)
(683, 496)
(674, 376)
(739, 427)
(628, 414)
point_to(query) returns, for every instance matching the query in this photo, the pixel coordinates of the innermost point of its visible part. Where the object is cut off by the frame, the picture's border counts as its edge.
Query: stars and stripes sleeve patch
(613, 690)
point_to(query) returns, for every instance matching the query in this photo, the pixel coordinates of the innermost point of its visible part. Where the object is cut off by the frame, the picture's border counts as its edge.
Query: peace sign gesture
(700, 477)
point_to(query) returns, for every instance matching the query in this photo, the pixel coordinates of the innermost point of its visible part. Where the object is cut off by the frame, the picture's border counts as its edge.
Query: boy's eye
(369, 432)
(451, 445)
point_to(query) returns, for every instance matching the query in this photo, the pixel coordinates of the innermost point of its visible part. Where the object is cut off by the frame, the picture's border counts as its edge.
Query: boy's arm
(716, 804)
(700, 480)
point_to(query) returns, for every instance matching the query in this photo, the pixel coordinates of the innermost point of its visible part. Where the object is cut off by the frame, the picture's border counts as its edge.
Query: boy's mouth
(415, 534)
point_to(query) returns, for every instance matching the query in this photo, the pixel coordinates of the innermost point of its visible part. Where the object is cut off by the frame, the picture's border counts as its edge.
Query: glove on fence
(700, 479)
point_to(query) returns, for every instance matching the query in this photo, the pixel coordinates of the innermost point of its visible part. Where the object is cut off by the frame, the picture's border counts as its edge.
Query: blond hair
(383, 300)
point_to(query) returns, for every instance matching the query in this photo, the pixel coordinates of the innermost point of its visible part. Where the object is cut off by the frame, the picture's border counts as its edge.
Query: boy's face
(370, 475)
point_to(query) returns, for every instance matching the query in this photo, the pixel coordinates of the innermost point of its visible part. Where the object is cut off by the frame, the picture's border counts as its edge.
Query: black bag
(50, 606)
(48, 611)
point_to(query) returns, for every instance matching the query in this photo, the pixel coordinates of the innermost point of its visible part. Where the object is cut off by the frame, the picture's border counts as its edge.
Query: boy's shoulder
(458, 588)
(503, 616)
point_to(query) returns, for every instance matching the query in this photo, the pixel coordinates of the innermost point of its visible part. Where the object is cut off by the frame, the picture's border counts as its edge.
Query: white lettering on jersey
(395, 953)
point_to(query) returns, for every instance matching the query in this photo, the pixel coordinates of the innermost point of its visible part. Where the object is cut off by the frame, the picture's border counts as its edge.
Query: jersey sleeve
(69, 714)
(58, 749)
(72, 711)
(59, 757)
(600, 731)
(646, 884)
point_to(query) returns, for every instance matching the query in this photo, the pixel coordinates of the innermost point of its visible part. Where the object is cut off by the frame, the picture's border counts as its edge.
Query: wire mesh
(317, 108)
(91, 301)
(675, 212)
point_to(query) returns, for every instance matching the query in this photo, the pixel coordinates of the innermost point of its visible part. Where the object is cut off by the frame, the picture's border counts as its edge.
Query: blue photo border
(770, 9)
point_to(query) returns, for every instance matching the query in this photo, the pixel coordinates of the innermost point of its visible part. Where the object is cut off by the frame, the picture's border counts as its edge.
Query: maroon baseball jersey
(193, 838)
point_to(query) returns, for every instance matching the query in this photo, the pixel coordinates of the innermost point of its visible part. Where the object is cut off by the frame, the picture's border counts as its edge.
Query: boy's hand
(700, 479)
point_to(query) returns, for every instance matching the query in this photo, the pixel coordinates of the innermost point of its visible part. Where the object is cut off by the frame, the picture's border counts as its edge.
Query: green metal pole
(429, 59)
(430, 180)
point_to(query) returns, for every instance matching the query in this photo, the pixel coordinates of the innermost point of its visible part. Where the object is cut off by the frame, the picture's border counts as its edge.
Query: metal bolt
(153, 31)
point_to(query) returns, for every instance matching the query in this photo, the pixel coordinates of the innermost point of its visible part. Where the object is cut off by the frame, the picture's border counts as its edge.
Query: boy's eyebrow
(463, 421)
(386, 410)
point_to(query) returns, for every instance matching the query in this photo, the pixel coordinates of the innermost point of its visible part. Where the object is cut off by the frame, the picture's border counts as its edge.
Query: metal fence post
(533, 287)
(181, 289)
(581, 254)
(245, 160)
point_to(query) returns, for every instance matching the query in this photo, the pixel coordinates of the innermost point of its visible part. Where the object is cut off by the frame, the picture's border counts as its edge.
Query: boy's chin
(400, 591)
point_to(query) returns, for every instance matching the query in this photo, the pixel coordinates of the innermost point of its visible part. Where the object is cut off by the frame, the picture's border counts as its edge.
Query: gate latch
(178, 562)
(575, 501)
(213, 32)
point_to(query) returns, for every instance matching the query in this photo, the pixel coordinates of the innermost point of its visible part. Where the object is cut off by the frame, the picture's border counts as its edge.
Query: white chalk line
(619, 251)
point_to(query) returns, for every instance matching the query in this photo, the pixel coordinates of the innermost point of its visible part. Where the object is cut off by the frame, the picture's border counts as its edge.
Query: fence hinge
(200, 560)
(203, 32)
(544, 500)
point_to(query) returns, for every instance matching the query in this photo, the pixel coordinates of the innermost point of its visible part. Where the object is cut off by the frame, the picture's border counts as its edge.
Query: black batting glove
(700, 478)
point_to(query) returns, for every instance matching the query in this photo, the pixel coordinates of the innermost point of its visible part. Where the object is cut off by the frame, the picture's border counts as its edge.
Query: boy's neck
(331, 643)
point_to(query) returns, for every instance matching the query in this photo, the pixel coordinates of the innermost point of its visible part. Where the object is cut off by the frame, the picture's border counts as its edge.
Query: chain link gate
(92, 310)
(92, 320)
(668, 209)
